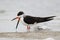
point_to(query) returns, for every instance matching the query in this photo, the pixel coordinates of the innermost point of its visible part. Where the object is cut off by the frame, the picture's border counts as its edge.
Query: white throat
(22, 15)
(22, 20)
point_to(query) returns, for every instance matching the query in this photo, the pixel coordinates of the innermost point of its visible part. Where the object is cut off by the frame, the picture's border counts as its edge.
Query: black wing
(29, 20)
(32, 20)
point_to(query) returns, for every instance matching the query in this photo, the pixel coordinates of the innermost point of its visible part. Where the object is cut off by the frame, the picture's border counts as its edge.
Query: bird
(30, 20)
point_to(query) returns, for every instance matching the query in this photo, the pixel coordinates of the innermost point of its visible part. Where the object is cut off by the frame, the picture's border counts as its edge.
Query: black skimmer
(28, 20)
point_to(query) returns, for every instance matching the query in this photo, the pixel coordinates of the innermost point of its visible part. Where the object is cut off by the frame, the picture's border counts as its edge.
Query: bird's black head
(20, 13)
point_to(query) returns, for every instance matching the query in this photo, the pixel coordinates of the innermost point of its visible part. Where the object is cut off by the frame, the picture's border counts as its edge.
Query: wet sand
(31, 35)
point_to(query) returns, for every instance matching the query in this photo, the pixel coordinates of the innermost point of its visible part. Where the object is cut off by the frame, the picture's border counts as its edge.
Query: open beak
(16, 18)
(17, 21)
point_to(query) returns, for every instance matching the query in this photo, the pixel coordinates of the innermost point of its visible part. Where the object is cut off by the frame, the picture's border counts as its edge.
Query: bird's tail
(49, 18)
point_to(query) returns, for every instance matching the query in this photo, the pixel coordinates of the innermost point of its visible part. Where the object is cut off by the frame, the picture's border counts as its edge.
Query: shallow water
(9, 9)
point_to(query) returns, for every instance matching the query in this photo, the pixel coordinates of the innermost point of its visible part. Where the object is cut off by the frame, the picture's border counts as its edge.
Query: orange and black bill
(17, 22)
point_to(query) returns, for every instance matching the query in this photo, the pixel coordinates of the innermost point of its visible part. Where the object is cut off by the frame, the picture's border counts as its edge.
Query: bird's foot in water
(28, 28)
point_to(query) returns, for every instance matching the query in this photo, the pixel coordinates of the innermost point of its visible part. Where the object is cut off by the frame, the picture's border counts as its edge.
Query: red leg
(28, 28)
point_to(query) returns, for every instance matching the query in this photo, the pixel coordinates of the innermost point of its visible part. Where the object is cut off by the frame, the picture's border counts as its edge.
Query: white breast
(22, 21)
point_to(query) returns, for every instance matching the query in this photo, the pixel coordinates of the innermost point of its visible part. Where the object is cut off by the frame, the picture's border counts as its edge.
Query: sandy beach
(31, 35)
